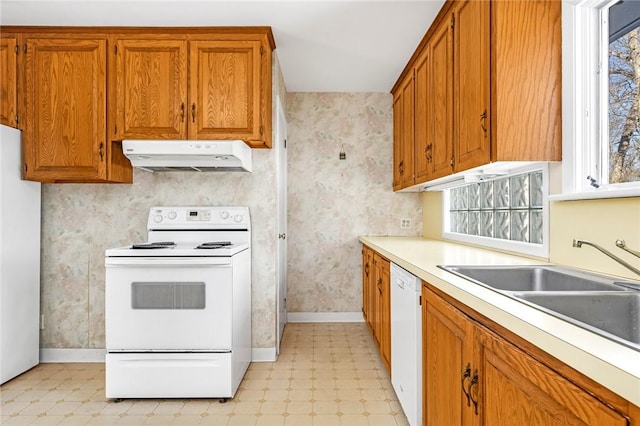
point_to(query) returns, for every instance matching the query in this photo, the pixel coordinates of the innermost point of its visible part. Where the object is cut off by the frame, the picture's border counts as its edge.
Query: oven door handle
(186, 262)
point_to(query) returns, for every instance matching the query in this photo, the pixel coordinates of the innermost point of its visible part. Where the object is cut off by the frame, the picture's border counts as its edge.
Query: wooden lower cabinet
(376, 300)
(473, 376)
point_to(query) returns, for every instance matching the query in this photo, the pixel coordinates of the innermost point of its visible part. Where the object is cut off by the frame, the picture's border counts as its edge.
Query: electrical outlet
(405, 223)
(42, 322)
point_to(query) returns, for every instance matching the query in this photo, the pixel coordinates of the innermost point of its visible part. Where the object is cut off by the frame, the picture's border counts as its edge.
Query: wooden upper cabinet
(225, 90)
(207, 84)
(151, 89)
(65, 109)
(471, 84)
(423, 116)
(440, 91)
(526, 80)
(8, 80)
(403, 112)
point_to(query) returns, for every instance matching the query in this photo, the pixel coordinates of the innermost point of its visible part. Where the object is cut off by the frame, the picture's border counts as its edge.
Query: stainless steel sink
(604, 305)
(612, 315)
(535, 278)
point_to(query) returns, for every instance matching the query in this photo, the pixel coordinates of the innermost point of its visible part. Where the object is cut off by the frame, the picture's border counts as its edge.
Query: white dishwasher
(406, 342)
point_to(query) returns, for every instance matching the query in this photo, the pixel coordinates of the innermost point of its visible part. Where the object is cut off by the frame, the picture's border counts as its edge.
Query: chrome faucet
(579, 243)
(621, 244)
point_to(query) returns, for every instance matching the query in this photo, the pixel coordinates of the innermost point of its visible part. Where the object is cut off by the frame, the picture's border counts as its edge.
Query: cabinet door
(516, 389)
(447, 339)
(526, 68)
(224, 90)
(151, 83)
(441, 89)
(403, 112)
(384, 310)
(8, 81)
(367, 278)
(65, 109)
(471, 83)
(423, 116)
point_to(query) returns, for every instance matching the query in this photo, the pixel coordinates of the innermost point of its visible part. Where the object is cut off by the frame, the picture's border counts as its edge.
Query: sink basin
(612, 315)
(535, 278)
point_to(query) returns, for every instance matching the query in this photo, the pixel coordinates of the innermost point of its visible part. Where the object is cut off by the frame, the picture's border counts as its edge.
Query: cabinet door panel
(65, 109)
(151, 89)
(8, 82)
(385, 315)
(517, 389)
(441, 88)
(423, 116)
(224, 84)
(526, 80)
(471, 83)
(446, 335)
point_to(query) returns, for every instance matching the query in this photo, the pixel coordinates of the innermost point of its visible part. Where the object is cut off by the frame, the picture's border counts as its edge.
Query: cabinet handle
(483, 121)
(101, 151)
(193, 112)
(182, 112)
(466, 373)
(366, 269)
(472, 383)
(380, 285)
(401, 167)
(427, 152)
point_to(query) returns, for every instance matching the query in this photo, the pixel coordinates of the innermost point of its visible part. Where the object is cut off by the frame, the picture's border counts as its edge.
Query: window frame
(529, 249)
(583, 84)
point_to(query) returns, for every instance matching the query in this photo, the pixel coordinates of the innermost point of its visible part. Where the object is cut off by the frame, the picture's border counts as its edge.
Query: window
(601, 98)
(508, 212)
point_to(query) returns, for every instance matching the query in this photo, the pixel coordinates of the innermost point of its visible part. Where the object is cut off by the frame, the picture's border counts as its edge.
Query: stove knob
(238, 218)
(172, 215)
(157, 218)
(224, 214)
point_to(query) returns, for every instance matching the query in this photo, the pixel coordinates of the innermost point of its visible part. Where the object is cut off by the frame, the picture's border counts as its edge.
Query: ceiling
(322, 46)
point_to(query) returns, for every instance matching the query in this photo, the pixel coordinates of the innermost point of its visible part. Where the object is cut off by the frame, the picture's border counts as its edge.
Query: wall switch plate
(405, 223)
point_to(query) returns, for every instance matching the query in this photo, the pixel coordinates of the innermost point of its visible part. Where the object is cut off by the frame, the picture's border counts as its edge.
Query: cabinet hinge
(115, 49)
(453, 21)
(16, 49)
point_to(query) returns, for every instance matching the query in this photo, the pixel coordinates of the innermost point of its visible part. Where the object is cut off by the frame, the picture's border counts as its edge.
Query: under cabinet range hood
(188, 155)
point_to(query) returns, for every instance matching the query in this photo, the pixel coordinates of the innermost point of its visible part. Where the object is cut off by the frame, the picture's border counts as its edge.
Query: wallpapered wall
(332, 201)
(80, 221)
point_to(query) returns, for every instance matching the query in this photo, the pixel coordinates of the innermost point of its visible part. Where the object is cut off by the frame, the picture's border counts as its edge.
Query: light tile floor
(327, 374)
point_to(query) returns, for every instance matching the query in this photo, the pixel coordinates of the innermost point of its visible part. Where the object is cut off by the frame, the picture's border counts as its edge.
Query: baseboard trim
(97, 355)
(324, 317)
(263, 354)
(72, 355)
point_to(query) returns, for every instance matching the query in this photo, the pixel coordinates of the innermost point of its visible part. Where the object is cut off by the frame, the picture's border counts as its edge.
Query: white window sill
(594, 195)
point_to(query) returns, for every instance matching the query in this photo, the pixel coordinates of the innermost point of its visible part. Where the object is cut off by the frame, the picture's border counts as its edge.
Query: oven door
(168, 304)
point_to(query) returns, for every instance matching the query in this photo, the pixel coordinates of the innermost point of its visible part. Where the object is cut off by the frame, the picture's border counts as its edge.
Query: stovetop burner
(156, 245)
(215, 245)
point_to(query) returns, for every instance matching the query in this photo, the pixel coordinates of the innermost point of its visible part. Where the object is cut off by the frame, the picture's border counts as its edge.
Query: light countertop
(611, 364)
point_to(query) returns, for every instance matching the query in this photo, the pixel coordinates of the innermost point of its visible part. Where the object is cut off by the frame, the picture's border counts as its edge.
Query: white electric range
(178, 307)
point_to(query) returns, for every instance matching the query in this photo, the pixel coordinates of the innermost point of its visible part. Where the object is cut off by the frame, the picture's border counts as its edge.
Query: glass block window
(508, 208)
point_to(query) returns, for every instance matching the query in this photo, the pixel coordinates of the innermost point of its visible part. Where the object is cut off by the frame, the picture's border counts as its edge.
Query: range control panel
(198, 218)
